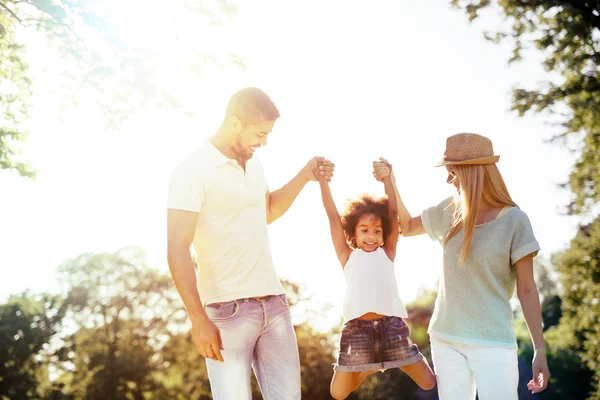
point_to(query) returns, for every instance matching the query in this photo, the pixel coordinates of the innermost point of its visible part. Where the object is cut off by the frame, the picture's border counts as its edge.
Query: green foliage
(125, 335)
(551, 311)
(570, 378)
(15, 89)
(568, 34)
(183, 372)
(580, 277)
(316, 361)
(27, 324)
(100, 56)
(126, 312)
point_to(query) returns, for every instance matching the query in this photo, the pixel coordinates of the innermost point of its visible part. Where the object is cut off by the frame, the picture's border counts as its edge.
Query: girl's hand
(381, 169)
(317, 169)
(323, 171)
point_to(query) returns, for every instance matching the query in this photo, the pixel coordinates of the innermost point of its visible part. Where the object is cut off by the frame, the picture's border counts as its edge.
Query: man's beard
(241, 152)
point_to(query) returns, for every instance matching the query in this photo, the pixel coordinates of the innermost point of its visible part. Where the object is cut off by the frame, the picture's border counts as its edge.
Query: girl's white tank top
(371, 285)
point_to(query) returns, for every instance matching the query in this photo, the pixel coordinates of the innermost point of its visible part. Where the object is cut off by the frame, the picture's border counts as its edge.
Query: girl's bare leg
(421, 373)
(343, 383)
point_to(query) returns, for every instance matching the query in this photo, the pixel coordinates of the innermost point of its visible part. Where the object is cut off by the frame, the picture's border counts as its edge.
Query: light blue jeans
(257, 334)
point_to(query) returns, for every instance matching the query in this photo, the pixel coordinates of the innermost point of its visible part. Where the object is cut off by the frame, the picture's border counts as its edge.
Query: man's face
(251, 137)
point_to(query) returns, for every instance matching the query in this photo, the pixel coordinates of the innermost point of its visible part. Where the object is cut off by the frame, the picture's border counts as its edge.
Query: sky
(353, 80)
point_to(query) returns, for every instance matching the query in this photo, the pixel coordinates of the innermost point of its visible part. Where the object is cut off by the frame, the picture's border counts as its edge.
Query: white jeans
(463, 369)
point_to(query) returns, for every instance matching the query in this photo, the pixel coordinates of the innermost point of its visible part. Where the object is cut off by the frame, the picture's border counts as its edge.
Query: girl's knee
(342, 384)
(338, 393)
(428, 382)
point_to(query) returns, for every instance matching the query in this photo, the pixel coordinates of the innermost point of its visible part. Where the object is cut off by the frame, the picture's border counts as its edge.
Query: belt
(257, 298)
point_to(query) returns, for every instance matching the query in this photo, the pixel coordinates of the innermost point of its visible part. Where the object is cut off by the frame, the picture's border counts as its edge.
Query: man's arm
(181, 227)
(279, 201)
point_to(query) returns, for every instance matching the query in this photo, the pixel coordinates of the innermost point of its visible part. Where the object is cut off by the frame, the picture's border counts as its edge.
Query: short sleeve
(437, 219)
(186, 188)
(523, 240)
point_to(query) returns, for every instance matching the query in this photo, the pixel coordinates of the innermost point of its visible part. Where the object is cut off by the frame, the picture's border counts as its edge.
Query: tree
(27, 324)
(568, 33)
(551, 303)
(571, 378)
(99, 55)
(125, 312)
(184, 374)
(316, 359)
(15, 86)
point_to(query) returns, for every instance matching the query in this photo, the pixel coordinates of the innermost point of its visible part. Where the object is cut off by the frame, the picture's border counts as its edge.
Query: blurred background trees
(118, 329)
(567, 34)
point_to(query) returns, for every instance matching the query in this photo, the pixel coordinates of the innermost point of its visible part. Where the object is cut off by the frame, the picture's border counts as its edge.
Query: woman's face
(452, 178)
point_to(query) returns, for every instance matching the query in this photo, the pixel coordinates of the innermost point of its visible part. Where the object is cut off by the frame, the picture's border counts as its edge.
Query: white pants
(463, 369)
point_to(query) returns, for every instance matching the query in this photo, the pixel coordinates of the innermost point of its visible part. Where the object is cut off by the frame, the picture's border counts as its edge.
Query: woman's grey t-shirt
(473, 303)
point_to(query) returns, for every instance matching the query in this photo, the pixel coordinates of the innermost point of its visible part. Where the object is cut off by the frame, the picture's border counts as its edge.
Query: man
(219, 201)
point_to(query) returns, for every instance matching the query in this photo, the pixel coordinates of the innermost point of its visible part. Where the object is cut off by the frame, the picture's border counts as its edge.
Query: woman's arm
(391, 241)
(335, 224)
(409, 226)
(530, 303)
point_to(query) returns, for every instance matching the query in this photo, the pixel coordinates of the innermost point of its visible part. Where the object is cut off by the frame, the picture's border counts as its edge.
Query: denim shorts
(376, 345)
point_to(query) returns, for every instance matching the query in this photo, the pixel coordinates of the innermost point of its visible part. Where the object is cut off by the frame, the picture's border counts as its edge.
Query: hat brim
(474, 161)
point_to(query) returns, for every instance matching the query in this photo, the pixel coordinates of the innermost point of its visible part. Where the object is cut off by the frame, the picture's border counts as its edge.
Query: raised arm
(409, 226)
(391, 241)
(279, 201)
(335, 224)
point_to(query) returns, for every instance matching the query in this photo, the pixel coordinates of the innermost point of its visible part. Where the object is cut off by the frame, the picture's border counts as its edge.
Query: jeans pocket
(395, 324)
(283, 300)
(349, 328)
(222, 311)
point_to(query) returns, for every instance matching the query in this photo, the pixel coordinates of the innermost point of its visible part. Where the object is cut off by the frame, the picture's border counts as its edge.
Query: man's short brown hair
(251, 105)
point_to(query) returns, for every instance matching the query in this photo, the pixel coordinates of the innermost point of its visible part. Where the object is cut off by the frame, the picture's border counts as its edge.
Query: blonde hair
(477, 182)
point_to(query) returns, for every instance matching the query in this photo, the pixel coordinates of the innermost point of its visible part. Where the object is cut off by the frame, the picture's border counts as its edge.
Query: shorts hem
(379, 366)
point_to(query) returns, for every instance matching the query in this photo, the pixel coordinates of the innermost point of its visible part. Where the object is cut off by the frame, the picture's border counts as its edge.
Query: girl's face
(452, 178)
(369, 232)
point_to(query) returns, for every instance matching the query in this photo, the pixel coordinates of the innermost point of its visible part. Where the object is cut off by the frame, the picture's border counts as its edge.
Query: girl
(488, 247)
(375, 336)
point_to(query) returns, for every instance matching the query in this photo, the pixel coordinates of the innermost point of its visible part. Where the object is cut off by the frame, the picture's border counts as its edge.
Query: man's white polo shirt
(231, 241)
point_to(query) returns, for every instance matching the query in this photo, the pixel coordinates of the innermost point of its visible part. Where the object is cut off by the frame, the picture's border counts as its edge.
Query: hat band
(473, 161)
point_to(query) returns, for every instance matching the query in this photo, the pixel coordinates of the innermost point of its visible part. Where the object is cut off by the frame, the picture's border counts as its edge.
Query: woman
(488, 248)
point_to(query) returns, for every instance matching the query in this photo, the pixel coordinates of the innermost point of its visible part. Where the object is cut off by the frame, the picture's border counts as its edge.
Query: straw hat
(468, 149)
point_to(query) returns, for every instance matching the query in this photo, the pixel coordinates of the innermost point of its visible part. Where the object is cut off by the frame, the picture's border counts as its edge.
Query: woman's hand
(541, 373)
(381, 169)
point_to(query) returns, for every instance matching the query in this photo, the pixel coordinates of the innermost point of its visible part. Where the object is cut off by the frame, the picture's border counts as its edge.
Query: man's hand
(541, 373)
(318, 168)
(381, 169)
(207, 339)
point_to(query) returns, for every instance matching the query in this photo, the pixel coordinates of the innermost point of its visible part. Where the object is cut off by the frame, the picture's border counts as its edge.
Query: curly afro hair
(356, 208)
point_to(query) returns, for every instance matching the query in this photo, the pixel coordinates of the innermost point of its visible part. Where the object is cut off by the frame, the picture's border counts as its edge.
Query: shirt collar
(215, 156)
